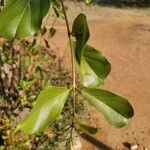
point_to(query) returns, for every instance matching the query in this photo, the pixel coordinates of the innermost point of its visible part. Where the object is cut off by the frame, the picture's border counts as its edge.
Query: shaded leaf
(81, 32)
(116, 109)
(86, 128)
(22, 18)
(47, 109)
(94, 67)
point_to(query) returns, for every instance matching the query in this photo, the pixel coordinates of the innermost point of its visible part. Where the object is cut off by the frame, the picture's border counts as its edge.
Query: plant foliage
(115, 109)
(48, 107)
(94, 67)
(25, 21)
(22, 18)
(81, 32)
(86, 128)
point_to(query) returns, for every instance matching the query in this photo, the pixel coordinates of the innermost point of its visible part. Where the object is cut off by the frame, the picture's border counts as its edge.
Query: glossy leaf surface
(116, 109)
(47, 109)
(22, 18)
(94, 67)
(81, 32)
(86, 128)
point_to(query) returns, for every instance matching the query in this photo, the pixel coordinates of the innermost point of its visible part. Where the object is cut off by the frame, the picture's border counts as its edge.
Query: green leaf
(2, 147)
(94, 67)
(47, 109)
(7, 2)
(116, 109)
(86, 128)
(81, 32)
(22, 18)
(88, 1)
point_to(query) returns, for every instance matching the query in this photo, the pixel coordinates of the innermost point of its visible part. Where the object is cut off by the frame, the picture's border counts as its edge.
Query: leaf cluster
(94, 68)
(39, 69)
(25, 21)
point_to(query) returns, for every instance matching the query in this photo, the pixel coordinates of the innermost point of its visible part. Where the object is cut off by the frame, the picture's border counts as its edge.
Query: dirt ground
(124, 38)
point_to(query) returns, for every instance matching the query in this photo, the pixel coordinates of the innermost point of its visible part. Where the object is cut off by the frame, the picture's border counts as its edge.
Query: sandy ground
(124, 38)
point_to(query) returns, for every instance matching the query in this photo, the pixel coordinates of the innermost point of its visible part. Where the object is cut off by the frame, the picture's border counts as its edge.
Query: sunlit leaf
(6, 2)
(47, 109)
(81, 32)
(88, 1)
(86, 128)
(94, 67)
(116, 109)
(22, 18)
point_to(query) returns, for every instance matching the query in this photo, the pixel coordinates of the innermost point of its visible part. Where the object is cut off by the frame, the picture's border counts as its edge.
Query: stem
(73, 67)
(71, 45)
(72, 57)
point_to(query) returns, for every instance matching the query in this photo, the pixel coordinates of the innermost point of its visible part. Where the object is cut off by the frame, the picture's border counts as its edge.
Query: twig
(73, 69)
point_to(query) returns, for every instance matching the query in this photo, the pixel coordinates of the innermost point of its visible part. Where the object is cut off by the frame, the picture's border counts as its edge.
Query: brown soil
(125, 41)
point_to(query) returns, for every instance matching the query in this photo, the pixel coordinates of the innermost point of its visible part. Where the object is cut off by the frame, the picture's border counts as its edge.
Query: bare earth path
(125, 41)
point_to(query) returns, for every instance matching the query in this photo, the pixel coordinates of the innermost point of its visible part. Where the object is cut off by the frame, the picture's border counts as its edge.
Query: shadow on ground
(95, 142)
